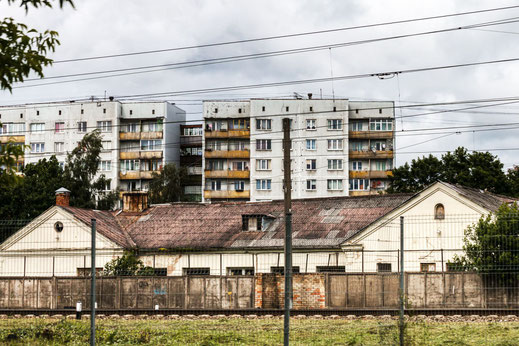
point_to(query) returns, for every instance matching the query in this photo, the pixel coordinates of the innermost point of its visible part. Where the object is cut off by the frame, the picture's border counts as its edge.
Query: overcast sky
(98, 27)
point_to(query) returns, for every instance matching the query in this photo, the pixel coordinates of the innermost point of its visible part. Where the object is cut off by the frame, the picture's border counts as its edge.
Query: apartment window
(105, 165)
(239, 185)
(151, 144)
(263, 124)
(11, 128)
(216, 110)
(335, 165)
(59, 112)
(82, 111)
(356, 126)
(286, 108)
(334, 184)
(263, 109)
(240, 124)
(192, 131)
(330, 269)
(107, 145)
(59, 147)
(263, 144)
(356, 111)
(359, 184)
(82, 126)
(311, 144)
(104, 126)
(263, 184)
(153, 111)
(427, 267)
(311, 109)
(59, 127)
(311, 164)
(381, 125)
(334, 124)
(240, 166)
(311, 184)
(281, 270)
(356, 166)
(130, 165)
(216, 185)
(107, 186)
(239, 110)
(263, 165)
(380, 165)
(38, 147)
(215, 165)
(356, 146)
(439, 212)
(335, 144)
(384, 267)
(131, 112)
(37, 127)
(37, 112)
(155, 126)
(196, 271)
(240, 271)
(310, 124)
(104, 110)
(133, 127)
(380, 111)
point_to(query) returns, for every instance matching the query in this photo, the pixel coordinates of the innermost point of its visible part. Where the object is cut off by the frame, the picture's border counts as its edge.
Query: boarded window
(331, 269)
(439, 212)
(383, 267)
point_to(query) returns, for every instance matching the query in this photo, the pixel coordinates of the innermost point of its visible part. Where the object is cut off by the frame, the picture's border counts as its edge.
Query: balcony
(227, 134)
(129, 136)
(16, 139)
(129, 155)
(226, 194)
(227, 154)
(133, 175)
(152, 135)
(380, 174)
(370, 134)
(369, 154)
(229, 174)
(359, 174)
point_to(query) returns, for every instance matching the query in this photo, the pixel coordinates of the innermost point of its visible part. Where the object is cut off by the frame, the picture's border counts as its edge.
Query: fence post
(93, 286)
(401, 318)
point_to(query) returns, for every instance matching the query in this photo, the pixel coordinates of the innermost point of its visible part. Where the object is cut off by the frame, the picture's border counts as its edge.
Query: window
(383, 267)
(311, 109)
(104, 110)
(334, 184)
(310, 124)
(263, 144)
(378, 145)
(311, 184)
(59, 147)
(240, 271)
(151, 144)
(427, 267)
(38, 147)
(37, 127)
(356, 146)
(61, 164)
(11, 128)
(131, 112)
(133, 127)
(216, 185)
(286, 108)
(263, 184)
(59, 127)
(281, 270)
(335, 144)
(356, 166)
(105, 165)
(240, 124)
(311, 164)
(356, 126)
(108, 186)
(82, 126)
(311, 144)
(130, 165)
(439, 212)
(254, 223)
(330, 269)
(239, 110)
(192, 131)
(191, 151)
(215, 165)
(359, 184)
(380, 165)
(240, 166)
(196, 271)
(381, 125)
(155, 126)
(107, 145)
(239, 185)
(263, 165)
(334, 124)
(335, 165)
(82, 112)
(59, 112)
(104, 126)
(263, 109)
(263, 124)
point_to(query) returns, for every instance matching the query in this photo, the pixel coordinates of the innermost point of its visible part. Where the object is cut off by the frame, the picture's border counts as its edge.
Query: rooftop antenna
(297, 96)
(331, 74)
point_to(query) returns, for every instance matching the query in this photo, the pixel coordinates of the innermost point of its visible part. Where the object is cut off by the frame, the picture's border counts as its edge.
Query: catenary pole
(93, 287)
(401, 317)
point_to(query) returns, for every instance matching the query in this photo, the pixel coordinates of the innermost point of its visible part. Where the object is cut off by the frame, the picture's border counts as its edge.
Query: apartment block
(338, 148)
(191, 159)
(135, 135)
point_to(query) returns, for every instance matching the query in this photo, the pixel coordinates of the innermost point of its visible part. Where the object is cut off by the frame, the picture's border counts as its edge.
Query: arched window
(439, 212)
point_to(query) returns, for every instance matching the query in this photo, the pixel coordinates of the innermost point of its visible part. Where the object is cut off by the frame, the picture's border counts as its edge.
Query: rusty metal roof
(485, 199)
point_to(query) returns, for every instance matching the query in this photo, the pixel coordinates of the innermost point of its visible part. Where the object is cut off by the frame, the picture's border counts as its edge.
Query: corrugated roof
(485, 199)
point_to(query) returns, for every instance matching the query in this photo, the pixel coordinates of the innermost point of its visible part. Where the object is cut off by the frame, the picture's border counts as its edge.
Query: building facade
(136, 135)
(191, 159)
(339, 148)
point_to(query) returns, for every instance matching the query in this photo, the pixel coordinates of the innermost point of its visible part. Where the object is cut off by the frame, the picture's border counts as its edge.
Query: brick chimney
(62, 197)
(135, 201)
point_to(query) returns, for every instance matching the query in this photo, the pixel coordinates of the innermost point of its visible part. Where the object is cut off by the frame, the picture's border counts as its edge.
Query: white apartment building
(138, 137)
(339, 148)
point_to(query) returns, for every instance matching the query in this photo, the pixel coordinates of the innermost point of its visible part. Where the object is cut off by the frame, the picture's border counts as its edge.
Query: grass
(255, 331)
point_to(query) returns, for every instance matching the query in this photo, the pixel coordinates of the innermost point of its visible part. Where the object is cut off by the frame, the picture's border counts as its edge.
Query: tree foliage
(80, 175)
(478, 170)
(22, 49)
(167, 186)
(127, 265)
(491, 247)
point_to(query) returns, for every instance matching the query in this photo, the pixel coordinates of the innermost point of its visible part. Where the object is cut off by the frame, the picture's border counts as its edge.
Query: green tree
(80, 175)
(127, 265)
(491, 247)
(421, 173)
(23, 50)
(167, 186)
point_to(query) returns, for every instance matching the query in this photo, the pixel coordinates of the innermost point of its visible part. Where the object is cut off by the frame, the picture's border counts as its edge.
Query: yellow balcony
(16, 139)
(227, 154)
(150, 154)
(359, 174)
(226, 194)
(129, 136)
(368, 154)
(131, 155)
(152, 135)
(370, 134)
(228, 174)
(137, 175)
(228, 134)
(380, 174)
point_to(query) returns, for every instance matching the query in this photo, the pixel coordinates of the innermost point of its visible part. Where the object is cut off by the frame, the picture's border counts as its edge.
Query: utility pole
(401, 317)
(287, 186)
(93, 286)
